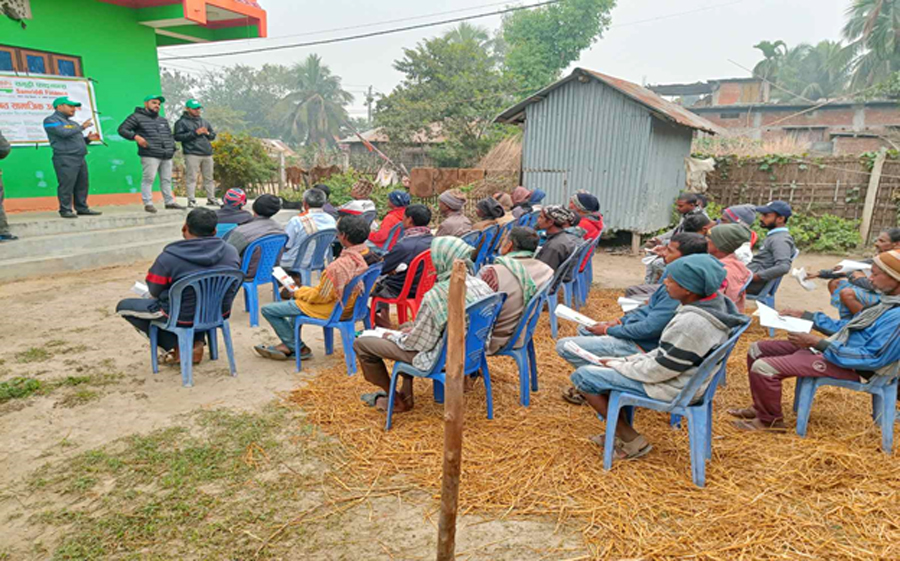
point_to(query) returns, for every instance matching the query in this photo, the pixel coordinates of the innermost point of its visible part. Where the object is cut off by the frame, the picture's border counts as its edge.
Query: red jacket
(391, 219)
(593, 226)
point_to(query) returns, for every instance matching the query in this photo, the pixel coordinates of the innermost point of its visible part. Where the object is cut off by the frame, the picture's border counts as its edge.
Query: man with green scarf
(519, 275)
(864, 346)
(420, 343)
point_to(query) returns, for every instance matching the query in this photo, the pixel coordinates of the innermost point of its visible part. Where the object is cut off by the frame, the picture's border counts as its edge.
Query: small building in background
(615, 139)
(743, 108)
(413, 154)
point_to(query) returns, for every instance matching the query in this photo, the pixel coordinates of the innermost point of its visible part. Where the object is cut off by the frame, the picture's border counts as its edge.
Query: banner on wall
(25, 101)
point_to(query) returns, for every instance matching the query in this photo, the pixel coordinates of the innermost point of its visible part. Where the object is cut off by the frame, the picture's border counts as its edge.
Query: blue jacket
(66, 136)
(866, 350)
(403, 252)
(644, 326)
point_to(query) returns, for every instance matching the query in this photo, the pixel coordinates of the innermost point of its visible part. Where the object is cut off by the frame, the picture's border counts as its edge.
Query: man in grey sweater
(774, 259)
(264, 208)
(704, 321)
(5, 234)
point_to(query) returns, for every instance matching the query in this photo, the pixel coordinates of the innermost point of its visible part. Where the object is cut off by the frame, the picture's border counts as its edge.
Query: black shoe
(67, 214)
(174, 206)
(89, 212)
(192, 203)
(150, 208)
(8, 237)
(213, 202)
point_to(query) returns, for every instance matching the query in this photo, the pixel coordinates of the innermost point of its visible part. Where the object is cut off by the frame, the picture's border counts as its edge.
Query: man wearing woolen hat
(722, 242)
(232, 211)
(264, 208)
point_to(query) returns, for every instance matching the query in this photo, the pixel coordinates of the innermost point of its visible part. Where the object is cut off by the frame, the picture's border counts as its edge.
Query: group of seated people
(694, 299)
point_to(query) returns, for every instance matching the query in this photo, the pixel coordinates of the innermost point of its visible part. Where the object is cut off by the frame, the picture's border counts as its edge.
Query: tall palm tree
(811, 72)
(773, 53)
(467, 32)
(873, 34)
(315, 106)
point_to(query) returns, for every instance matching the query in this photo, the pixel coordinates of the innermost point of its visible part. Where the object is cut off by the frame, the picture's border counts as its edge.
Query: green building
(113, 43)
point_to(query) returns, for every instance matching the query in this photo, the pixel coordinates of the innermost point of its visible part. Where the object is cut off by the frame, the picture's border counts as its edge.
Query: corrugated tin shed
(612, 138)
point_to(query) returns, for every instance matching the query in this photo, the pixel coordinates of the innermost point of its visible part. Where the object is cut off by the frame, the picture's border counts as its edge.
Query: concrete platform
(49, 244)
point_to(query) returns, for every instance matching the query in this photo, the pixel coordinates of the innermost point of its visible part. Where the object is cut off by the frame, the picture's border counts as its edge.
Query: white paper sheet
(578, 351)
(379, 332)
(284, 278)
(848, 266)
(565, 312)
(800, 275)
(141, 289)
(628, 304)
(769, 317)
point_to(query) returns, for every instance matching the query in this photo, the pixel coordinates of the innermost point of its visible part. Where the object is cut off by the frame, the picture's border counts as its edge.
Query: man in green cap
(69, 145)
(156, 146)
(196, 135)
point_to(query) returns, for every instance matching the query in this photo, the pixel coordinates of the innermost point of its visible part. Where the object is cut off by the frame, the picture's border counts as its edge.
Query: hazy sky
(682, 48)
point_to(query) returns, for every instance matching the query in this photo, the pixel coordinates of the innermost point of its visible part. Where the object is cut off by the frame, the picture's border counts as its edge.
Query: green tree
(314, 109)
(541, 43)
(872, 31)
(451, 87)
(177, 87)
(773, 55)
(807, 72)
(247, 96)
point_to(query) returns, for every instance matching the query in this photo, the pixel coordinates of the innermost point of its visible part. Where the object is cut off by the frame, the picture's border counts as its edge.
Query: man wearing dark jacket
(416, 239)
(156, 146)
(5, 234)
(196, 135)
(69, 147)
(264, 208)
(200, 250)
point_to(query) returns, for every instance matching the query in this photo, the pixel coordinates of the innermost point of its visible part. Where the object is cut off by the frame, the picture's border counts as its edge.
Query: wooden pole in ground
(865, 227)
(453, 412)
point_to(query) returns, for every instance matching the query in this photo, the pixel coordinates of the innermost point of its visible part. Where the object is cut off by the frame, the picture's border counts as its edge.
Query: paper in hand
(565, 312)
(768, 317)
(581, 353)
(628, 304)
(800, 275)
(141, 289)
(848, 266)
(284, 278)
(379, 332)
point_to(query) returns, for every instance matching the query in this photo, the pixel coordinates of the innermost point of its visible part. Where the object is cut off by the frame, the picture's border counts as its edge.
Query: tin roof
(659, 106)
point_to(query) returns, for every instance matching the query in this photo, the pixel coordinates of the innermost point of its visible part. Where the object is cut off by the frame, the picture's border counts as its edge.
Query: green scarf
(515, 266)
(444, 251)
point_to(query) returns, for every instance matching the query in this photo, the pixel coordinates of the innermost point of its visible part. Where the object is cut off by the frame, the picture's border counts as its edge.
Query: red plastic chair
(403, 302)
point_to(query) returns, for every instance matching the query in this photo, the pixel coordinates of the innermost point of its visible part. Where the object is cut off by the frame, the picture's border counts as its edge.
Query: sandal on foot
(600, 440)
(271, 352)
(632, 450)
(305, 353)
(370, 398)
(381, 403)
(573, 396)
(747, 413)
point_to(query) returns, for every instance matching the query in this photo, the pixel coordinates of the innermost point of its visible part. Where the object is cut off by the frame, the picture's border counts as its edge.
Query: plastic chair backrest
(482, 315)
(584, 251)
(771, 287)
(223, 229)
(524, 220)
(590, 254)
(428, 278)
(269, 249)
(393, 237)
(712, 366)
(421, 261)
(321, 246)
(472, 237)
(564, 272)
(533, 218)
(368, 278)
(487, 243)
(210, 289)
(529, 319)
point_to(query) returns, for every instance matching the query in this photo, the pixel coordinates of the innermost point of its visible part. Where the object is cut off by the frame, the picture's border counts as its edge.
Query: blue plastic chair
(347, 327)
(269, 249)
(524, 355)
(884, 401)
(565, 271)
(481, 316)
(502, 234)
(472, 238)
(210, 289)
(393, 237)
(699, 414)
(223, 229)
(321, 254)
(584, 278)
(767, 294)
(571, 288)
(485, 250)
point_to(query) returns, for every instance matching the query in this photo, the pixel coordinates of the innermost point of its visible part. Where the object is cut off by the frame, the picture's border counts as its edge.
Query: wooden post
(453, 412)
(281, 172)
(635, 243)
(865, 226)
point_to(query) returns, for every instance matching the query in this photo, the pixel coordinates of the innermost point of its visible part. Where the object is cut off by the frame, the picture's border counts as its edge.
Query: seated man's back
(314, 219)
(232, 211)
(262, 225)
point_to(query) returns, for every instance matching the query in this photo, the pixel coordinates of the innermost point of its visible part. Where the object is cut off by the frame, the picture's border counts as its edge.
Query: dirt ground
(96, 391)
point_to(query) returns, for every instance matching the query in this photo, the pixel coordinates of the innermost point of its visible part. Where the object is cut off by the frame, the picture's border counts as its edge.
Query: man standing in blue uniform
(69, 147)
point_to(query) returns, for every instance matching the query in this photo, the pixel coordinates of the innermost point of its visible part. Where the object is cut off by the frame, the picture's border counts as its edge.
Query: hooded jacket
(191, 142)
(184, 257)
(155, 130)
(695, 331)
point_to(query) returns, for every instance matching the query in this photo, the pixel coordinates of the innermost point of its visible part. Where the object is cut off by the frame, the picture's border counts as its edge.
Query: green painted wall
(120, 55)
